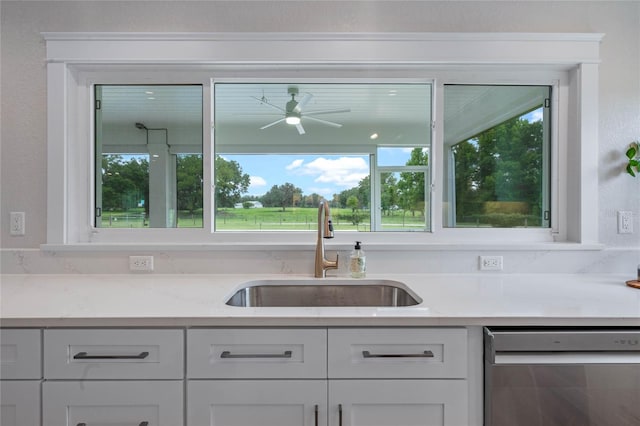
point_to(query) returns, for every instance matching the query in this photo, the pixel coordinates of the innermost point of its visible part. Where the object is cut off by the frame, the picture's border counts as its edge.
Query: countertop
(37, 300)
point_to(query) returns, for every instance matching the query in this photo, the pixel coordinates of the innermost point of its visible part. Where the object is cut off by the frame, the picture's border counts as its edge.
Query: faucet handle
(330, 227)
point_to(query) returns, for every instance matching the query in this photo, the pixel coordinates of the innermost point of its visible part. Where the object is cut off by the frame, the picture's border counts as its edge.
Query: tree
(189, 182)
(124, 183)
(503, 163)
(389, 196)
(411, 185)
(231, 183)
(281, 196)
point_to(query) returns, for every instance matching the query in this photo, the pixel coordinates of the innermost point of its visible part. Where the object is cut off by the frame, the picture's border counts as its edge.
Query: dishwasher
(561, 376)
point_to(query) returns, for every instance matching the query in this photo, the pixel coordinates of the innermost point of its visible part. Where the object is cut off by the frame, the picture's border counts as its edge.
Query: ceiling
(468, 109)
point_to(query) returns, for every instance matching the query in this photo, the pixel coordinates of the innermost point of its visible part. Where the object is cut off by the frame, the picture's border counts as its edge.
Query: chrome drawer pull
(227, 354)
(425, 354)
(140, 424)
(84, 355)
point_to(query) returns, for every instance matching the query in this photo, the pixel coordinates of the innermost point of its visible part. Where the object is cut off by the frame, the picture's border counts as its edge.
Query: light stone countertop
(36, 300)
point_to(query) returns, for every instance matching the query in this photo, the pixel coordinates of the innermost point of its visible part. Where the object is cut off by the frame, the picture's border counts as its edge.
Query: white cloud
(294, 164)
(256, 185)
(345, 172)
(258, 181)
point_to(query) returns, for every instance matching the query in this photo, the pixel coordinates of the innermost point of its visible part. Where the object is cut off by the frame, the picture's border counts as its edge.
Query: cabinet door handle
(339, 414)
(315, 412)
(227, 354)
(425, 354)
(84, 355)
(139, 424)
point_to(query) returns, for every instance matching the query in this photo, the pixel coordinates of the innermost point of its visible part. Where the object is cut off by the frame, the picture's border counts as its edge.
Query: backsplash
(35, 261)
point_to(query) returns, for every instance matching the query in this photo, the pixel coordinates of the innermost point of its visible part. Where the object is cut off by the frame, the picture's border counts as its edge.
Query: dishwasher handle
(565, 357)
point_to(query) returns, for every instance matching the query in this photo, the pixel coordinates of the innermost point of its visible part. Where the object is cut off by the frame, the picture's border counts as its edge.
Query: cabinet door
(20, 354)
(157, 403)
(398, 403)
(257, 402)
(20, 403)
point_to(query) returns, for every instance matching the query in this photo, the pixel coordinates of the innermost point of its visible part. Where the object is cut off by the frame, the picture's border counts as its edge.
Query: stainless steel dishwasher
(561, 377)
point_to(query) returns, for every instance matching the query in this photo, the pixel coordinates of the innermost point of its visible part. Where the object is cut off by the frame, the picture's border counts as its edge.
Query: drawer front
(20, 354)
(113, 354)
(20, 402)
(256, 353)
(154, 403)
(398, 353)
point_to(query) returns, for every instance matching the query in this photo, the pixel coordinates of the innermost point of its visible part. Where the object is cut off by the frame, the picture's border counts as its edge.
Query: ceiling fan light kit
(293, 111)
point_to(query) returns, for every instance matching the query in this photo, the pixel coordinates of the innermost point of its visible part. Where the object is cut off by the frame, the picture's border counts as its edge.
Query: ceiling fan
(293, 111)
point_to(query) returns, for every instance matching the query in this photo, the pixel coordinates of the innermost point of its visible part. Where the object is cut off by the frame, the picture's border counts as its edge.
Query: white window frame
(569, 62)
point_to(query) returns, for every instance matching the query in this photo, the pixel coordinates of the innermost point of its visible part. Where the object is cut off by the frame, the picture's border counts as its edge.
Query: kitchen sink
(310, 293)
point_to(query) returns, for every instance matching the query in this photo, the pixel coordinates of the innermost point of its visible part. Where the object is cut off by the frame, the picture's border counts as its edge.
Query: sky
(321, 174)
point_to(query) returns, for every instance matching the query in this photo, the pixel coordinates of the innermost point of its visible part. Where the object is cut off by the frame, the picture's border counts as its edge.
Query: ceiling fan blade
(300, 128)
(302, 102)
(328, 123)
(265, 102)
(272, 124)
(327, 111)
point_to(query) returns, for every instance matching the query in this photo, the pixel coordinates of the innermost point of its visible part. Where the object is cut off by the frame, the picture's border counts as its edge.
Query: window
(280, 148)
(431, 192)
(497, 142)
(148, 144)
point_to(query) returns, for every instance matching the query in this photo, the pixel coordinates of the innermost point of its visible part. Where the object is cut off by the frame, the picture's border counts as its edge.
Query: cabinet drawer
(398, 353)
(113, 354)
(257, 353)
(20, 402)
(20, 354)
(158, 403)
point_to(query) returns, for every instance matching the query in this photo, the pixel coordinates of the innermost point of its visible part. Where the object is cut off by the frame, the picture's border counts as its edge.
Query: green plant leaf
(631, 153)
(630, 170)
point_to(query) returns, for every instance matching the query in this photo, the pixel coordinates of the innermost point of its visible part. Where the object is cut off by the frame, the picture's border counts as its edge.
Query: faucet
(325, 230)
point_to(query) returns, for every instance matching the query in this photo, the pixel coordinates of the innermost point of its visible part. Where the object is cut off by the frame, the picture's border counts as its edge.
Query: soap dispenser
(357, 264)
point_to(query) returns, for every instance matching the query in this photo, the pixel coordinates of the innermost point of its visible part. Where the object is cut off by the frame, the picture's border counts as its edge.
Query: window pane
(282, 192)
(497, 143)
(310, 141)
(148, 156)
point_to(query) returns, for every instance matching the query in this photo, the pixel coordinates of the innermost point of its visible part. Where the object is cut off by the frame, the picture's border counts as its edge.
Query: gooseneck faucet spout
(325, 230)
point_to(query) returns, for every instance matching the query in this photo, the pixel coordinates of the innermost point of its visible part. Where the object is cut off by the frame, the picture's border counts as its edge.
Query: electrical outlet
(491, 263)
(625, 222)
(141, 263)
(16, 223)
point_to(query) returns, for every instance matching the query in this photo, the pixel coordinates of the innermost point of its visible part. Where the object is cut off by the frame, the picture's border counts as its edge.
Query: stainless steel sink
(309, 293)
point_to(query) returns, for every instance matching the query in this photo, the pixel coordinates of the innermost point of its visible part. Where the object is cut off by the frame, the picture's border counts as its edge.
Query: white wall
(23, 101)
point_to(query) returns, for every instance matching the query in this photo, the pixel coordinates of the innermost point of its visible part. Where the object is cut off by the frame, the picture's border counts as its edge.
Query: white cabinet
(98, 403)
(257, 402)
(410, 353)
(86, 354)
(374, 377)
(237, 353)
(20, 377)
(97, 377)
(318, 376)
(398, 402)
(20, 402)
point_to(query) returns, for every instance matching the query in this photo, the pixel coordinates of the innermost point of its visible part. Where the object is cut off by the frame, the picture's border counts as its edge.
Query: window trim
(71, 54)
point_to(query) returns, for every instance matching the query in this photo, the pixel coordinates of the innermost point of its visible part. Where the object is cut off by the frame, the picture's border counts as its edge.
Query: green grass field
(269, 219)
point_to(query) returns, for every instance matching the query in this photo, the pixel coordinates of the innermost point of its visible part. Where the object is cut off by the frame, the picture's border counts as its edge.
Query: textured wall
(23, 76)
